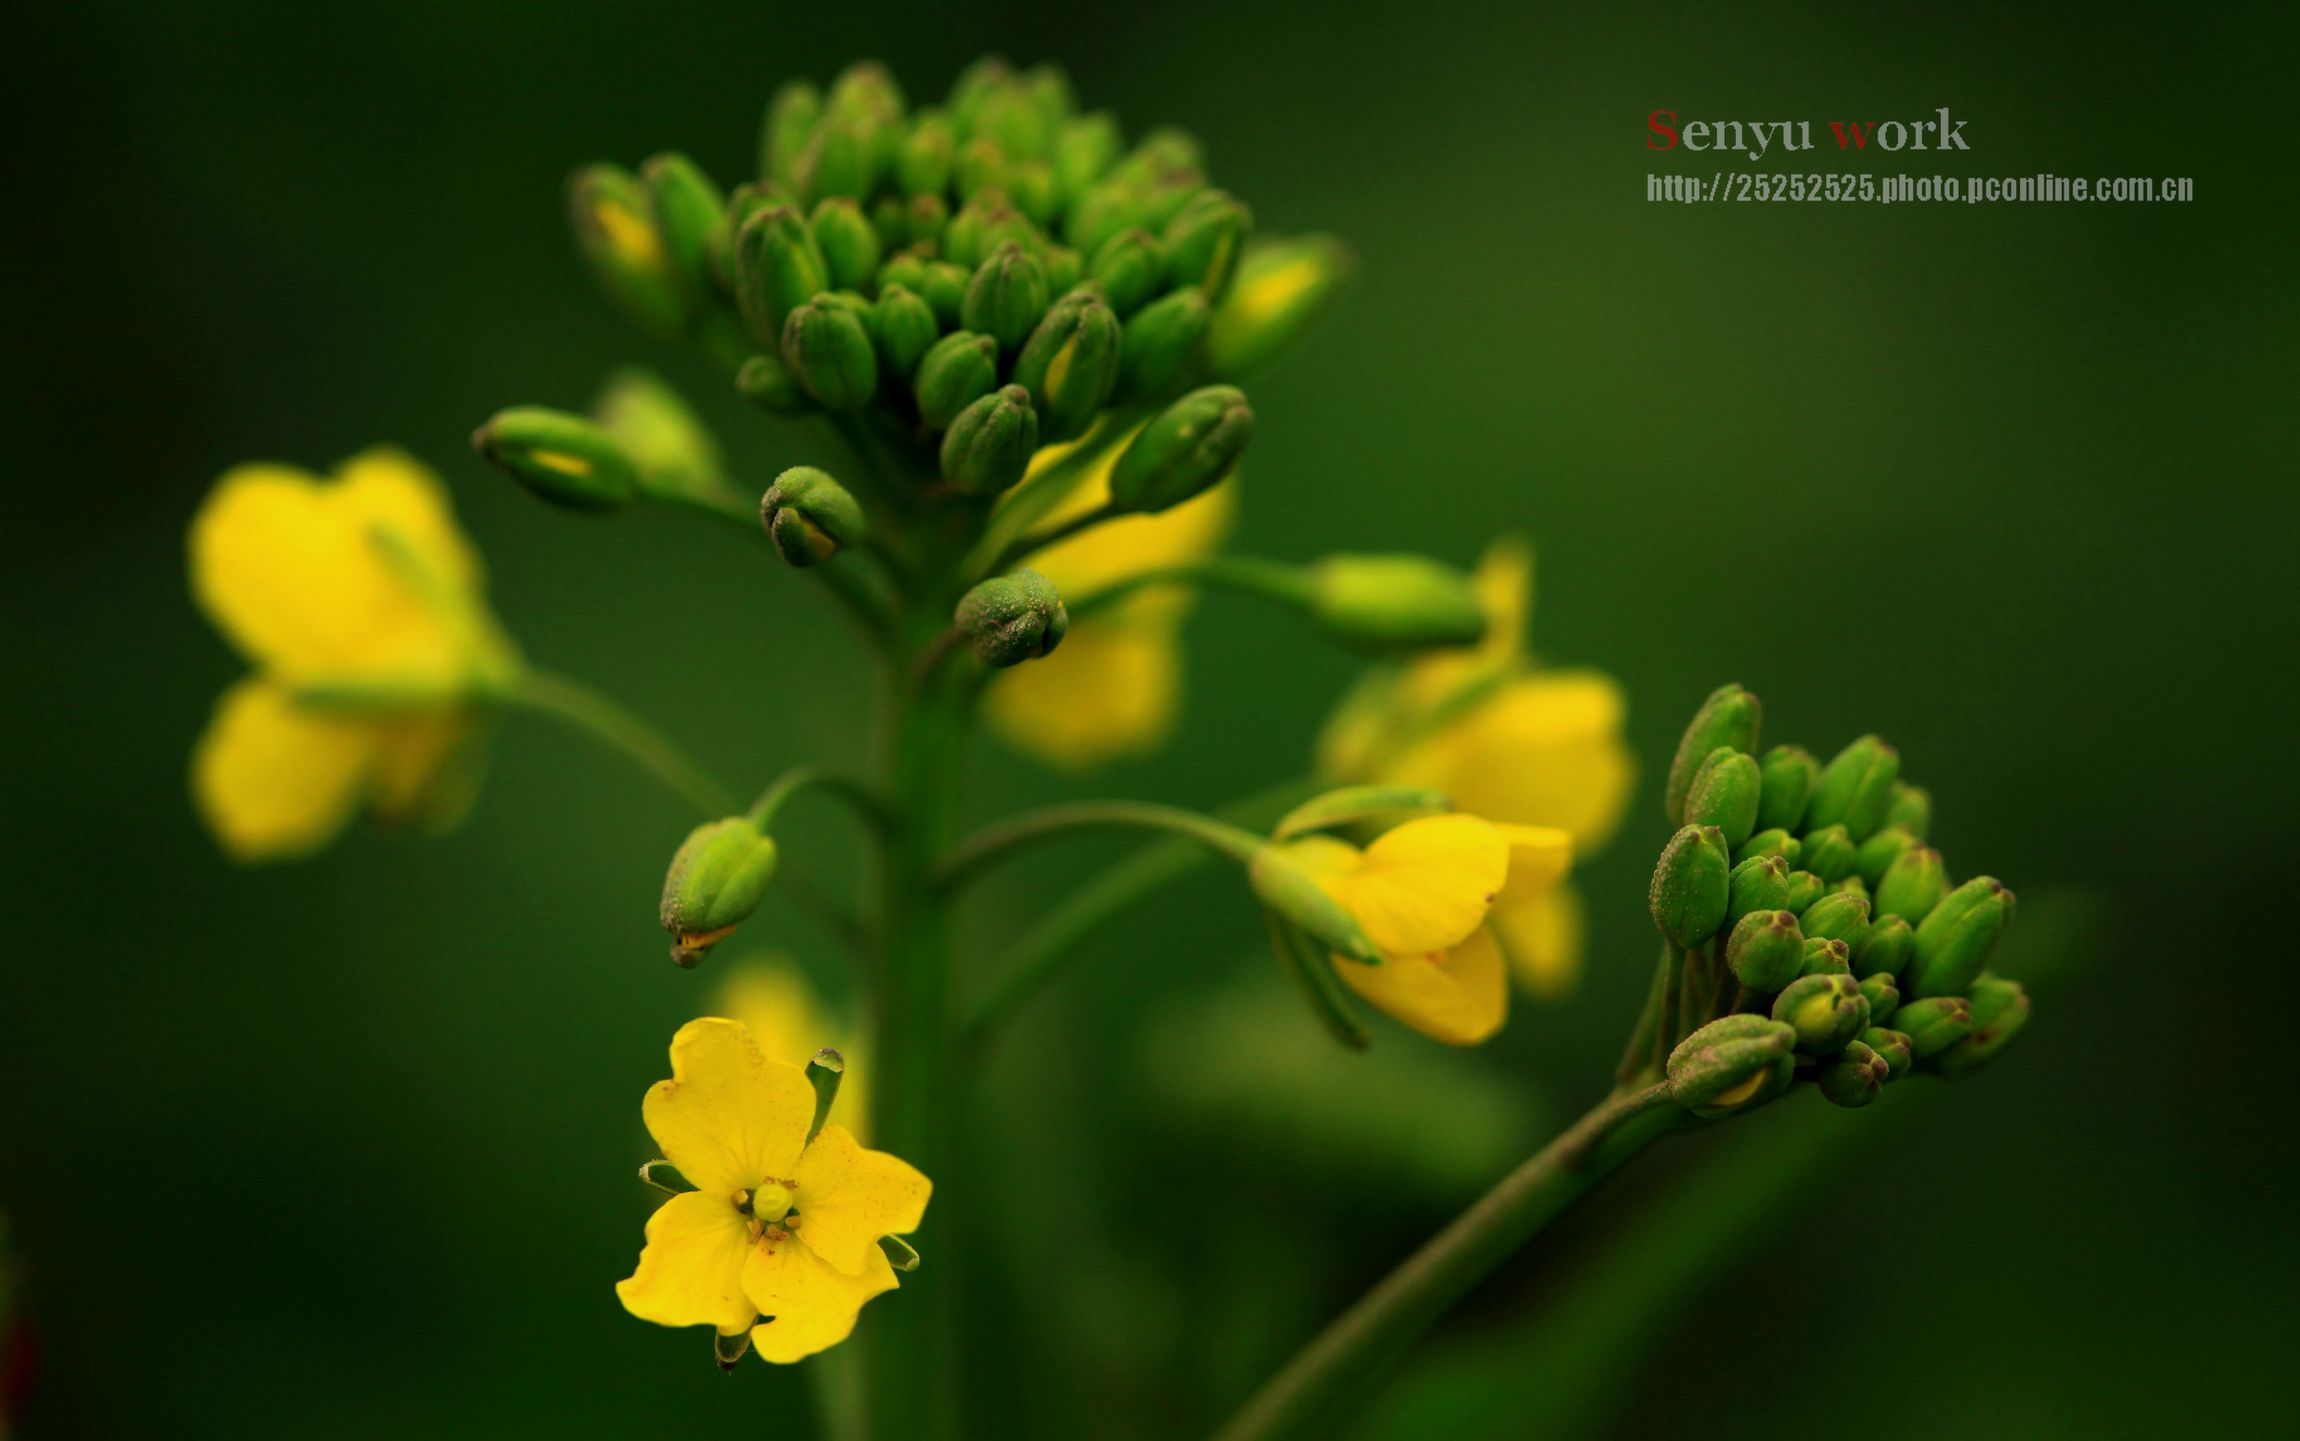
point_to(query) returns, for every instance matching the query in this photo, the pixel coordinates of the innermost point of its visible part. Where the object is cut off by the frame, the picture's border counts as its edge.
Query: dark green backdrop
(343, 1148)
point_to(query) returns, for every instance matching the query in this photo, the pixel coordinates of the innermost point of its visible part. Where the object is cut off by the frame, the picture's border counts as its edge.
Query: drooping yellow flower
(777, 1226)
(1504, 739)
(772, 996)
(360, 607)
(1115, 685)
(1424, 893)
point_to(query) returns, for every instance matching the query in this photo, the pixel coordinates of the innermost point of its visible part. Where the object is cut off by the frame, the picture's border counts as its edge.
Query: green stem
(1672, 991)
(1054, 534)
(606, 721)
(995, 841)
(1272, 580)
(1303, 1398)
(860, 798)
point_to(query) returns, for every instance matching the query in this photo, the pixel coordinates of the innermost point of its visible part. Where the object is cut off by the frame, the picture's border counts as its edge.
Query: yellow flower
(359, 605)
(1506, 740)
(777, 1226)
(1114, 686)
(1424, 892)
(769, 994)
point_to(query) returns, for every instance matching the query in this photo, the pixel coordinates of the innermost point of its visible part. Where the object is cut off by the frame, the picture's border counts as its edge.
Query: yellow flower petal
(811, 1304)
(1116, 549)
(387, 486)
(1459, 996)
(691, 1271)
(1539, 857)
(728, 1118)
(1545, 750)
(1110, 690)
(770, 995)
(1427, 884)
(273, 779)
(1541, 938)
(849, 1197)
(427, 772)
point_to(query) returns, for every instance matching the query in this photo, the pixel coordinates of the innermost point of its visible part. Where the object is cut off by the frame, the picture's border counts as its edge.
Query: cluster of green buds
(1809, 928)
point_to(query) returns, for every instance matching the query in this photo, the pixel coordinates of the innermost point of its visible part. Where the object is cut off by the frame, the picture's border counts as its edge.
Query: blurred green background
(343, 1148)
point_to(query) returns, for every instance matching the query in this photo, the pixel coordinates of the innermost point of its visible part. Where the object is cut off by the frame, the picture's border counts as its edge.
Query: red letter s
(1653, 123)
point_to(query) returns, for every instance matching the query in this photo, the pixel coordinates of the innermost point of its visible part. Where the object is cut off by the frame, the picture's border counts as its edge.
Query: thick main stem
(1304, 1396)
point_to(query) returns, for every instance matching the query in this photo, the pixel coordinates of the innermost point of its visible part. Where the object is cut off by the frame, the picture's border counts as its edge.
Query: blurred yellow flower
(1423, 892)
(778, 1226)
(769, 994)
(1114, 686)
(1503, 739)
(359, 605)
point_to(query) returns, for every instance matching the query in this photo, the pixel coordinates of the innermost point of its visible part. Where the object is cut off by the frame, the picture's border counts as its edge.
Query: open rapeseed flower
(1424, 893)
(359, 605)
(780, 1224)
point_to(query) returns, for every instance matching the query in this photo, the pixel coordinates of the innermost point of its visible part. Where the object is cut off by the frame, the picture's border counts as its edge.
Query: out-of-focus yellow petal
(426, 771)
(811, 1304)
(1459, 996)
(849, 1197)
(1110, 690)
(273, 779)
(1541, 939)
(1539, 857)
(1116, 549)
(385, 485)
(1504, 583)
(691, 1271)
(1427, 884)
(1545, 750)
(728, 1118)
(769, 994)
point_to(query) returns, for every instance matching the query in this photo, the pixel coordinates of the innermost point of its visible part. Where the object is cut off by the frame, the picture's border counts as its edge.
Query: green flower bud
(989, 445)
(1012, 119)
(1855, 788)
(1729, 717)
(981, 226)
(777, 270)
(1876, 855)
(1804, 889)
(1084, 149)
(809, 516)
(1893, 1046)
(791, 117)
(1203, 242)
(1102, 211)
(836, 160)
(829, 352)
(690, 215)
(906, 268)
(1766, 950)
(561, 458)
(1283, 288)
(923, 217)
(1883, 997)
(1731, 1065)
(1186, 450)
(1013, 618)
(764, 382)
(1760, 883)
(943, 286)
(922, 166)
(1691, 885)
(1070, 364)
(1838, 917)
(1830, 853)
(846, 240)
(1855, 1077)
(1790, 772)
(1912, 809)
(1954, 941)
(1723, 794)
(904, 327)
(1161, 339)
(975, 84)
(981, 166)
(717, 878)
(1131, 267)
(1913, 884)
(1030, 186)
(1826, 1011)
(1823, 956)
(958, 370)
(1850, 886)
(1775, 842)
(659, 432)
(1999, 1011)
(615, 230)
(1886, 949)
(1389, 603)
(1293, 894)
(1934, 1024)
(865, 90)
(745, 201)
(1006, 297)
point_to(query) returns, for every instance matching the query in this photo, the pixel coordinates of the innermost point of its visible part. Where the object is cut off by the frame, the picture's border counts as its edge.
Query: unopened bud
(1203, 242)
(1913, 884)
(1999, 1010)
(1876, 855)
(1775, 842)
(847, 241)
(790, 119)
(1886, 949)
(809, 516)
(1760, 883)
(1955, 940)
(1070, 364)
(1789, 772)
(717, 878)
(690, 216)
(777, 270)
(1912, 809)
(1724, 793)
(942, 285)
(1830, 853)
(958, 370)
(561, 458)
(1766, 950)
(1731, 1065)
(989, 445)
(1130, 267)
(828, 350)
(1282, 289)
(766, 382)
(1388, 603)
(1855, 1077)
(1855, 788)
(922, 165)
(1823, 956)
(1729, 717)
(905, 329)
(1187, 449)
(1161, 339)
(1934, 1024)
(1012, 618)
(1804, 889)
(1084, 149)
(1838, 916)
(1826, 1011)
(1691, 886)
(616, 233)
(1006, 297)
(1883, 996)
